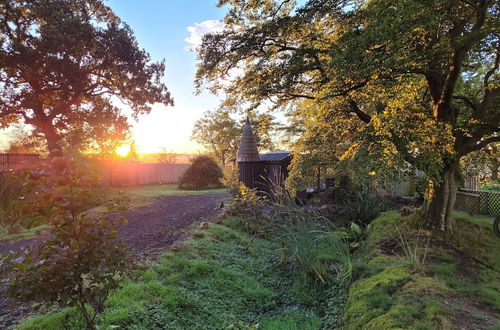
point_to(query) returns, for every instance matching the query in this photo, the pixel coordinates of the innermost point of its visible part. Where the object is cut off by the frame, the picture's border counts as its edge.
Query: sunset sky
(167, 29)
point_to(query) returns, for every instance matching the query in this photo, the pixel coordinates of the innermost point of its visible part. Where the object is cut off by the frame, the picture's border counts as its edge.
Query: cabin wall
(250, 173)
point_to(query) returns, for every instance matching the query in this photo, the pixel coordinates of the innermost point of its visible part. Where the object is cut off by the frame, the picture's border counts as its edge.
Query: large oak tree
(417, 80)
(63, 64)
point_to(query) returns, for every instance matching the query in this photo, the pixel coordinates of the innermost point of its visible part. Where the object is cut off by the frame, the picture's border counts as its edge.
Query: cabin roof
(248, 147)
(275, 156)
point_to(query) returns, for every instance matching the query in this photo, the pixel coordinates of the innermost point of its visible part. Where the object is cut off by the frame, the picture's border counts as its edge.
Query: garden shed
(260, 170)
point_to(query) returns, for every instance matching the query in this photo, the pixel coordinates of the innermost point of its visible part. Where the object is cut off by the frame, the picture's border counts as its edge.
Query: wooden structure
(260, 171)
(129, 173)
(19, 161)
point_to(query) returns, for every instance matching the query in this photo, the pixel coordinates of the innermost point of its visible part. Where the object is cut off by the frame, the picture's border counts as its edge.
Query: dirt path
(151, 230)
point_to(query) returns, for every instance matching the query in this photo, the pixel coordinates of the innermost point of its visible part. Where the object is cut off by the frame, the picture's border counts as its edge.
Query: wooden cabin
(260, 171)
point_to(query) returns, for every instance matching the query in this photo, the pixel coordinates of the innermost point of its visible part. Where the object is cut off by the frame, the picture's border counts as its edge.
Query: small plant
(353, 234)
(364, 208)
(247, 204)
(81, 261)
(415, 248)
(204, 173)
(299, 241)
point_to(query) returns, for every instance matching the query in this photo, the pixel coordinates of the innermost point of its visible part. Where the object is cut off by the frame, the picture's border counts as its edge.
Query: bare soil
(151, 231)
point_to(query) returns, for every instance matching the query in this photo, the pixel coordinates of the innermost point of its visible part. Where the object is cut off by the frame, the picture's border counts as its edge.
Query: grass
(145, 194)
(24, 233)
(138, 196)
(225, 279)
(458, 283)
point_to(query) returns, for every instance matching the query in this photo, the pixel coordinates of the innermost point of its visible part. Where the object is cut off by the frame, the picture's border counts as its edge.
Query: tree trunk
(439, 209)
(53, 141)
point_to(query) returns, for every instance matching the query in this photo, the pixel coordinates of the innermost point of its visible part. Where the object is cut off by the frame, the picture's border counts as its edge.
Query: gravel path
(151, 230)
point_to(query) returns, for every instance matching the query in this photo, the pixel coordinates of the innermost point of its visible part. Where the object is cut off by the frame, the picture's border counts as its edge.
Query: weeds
(364, 208)
(415, 248)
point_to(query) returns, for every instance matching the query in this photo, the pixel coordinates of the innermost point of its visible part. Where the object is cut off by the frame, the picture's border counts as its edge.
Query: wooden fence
(126, 173)
(17, 161)
(478, 202)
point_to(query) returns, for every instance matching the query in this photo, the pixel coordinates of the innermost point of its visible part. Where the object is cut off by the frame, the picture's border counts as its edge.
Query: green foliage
(353, 234)
(85, 51)
(374, 87)
(227, 279)
(204, 173)
(18, 199)
(364, 208)
(220, 133)
(12, 187)
(391, 293)
(247, 204)
(81, 261)
(492, 186)
(304, 238)
(78, 265)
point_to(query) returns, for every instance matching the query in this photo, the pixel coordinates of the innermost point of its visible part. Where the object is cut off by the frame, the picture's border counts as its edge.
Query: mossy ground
(441, 282)
(225, 279)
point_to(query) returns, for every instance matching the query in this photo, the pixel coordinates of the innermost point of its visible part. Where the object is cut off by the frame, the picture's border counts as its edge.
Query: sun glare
(123, 150)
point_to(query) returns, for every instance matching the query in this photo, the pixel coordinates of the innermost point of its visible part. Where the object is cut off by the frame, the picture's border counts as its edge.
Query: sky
(169, 29)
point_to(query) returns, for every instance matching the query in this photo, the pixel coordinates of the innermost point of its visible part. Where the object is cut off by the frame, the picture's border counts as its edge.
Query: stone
(198, 234)
(178, 246)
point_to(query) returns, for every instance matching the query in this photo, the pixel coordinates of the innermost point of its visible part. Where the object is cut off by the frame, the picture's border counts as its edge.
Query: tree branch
(466, 100)
(360, 113)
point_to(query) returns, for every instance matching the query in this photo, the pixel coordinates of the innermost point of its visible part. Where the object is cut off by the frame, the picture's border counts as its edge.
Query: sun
(123, 150)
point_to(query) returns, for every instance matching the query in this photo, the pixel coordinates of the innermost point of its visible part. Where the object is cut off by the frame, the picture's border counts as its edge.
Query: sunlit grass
(145, 194)
(25, 233)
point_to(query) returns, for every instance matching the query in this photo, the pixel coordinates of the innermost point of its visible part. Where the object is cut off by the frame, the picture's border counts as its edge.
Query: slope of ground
(225, 279)
(413, 278)
(151, 230)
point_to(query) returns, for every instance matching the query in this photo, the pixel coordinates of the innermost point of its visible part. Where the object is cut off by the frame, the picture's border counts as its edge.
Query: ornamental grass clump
(364, 208)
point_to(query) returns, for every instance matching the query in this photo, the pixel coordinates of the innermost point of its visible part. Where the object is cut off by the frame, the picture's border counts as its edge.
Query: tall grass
(304, 234)
(364, 208)
(12, 187)
(415, 247)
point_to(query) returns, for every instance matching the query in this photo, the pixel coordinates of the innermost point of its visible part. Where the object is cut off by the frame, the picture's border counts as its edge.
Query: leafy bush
(17, 194)
(12, 187)
(364, 208)
(247, 204)
(204, 173)
(77, 266)
(354, 234)
(80, 262)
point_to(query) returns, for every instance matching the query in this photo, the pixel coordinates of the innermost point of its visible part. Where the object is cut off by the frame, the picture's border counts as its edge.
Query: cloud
(197, 32)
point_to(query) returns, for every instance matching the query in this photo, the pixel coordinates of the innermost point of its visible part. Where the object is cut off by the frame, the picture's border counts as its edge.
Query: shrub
(353, 234)
(77, 266)
(364, 208)
(80, 262)
(204, 173)
(12, 187)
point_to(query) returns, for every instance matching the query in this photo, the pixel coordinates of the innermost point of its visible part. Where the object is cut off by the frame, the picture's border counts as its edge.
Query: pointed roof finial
(248, 147)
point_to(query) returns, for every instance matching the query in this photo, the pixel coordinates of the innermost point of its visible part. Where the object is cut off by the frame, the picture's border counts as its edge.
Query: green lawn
(25, 233)
(223, 280)
(146, 194)
(139, 196)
